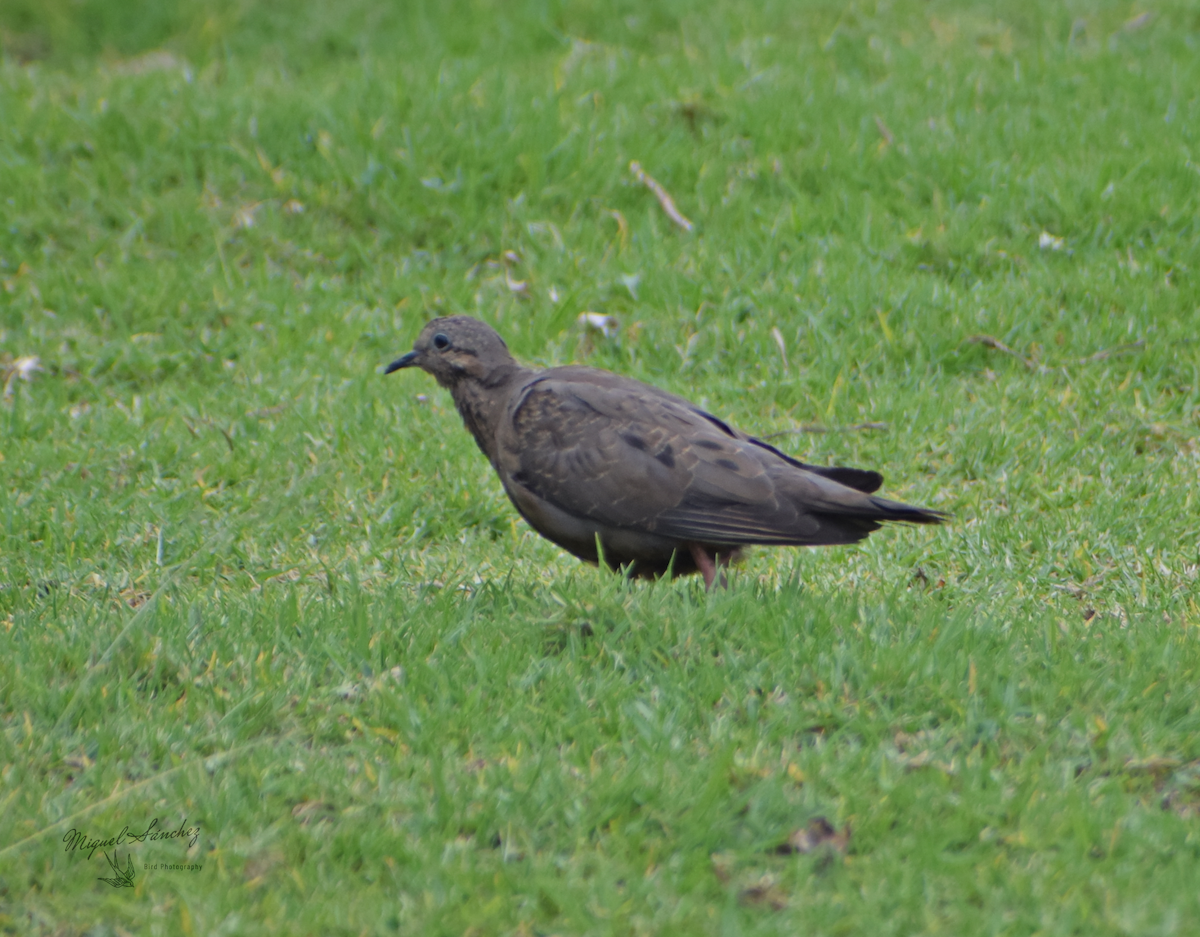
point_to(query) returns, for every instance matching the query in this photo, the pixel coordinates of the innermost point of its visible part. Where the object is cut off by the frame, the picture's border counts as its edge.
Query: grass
(247, 581)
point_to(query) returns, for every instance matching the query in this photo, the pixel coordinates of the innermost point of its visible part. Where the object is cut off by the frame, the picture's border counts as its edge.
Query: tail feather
(845, 514)
(863, 480)
(908, 513)
(850, 522)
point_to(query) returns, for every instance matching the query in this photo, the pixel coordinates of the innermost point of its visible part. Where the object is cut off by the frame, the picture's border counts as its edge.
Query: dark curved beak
(404, 361)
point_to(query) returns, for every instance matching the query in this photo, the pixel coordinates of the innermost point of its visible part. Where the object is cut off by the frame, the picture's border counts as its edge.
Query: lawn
(259, 595)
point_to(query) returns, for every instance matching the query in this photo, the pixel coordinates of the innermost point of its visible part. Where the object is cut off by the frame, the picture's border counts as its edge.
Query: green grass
(247, 580)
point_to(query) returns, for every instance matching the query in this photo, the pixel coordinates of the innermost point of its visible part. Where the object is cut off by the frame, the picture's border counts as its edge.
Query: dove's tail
(908, 513)
(852, 521)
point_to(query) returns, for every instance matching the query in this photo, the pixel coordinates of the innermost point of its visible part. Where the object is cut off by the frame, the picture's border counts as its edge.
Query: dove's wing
(626, 455)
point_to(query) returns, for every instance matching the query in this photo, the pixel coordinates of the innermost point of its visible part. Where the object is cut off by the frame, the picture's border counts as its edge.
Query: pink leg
(704, 563)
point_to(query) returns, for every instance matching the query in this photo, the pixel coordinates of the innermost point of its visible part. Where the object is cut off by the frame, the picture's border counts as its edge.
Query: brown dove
(616, 470)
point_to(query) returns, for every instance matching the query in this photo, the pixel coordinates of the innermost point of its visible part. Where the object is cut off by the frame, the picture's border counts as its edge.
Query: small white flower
(1048, 242)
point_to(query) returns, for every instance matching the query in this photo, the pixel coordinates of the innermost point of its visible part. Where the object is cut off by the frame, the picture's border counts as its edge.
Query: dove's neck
(481, 402)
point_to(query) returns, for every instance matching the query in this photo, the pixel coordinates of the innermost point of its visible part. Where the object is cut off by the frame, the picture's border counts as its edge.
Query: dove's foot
(707, 566)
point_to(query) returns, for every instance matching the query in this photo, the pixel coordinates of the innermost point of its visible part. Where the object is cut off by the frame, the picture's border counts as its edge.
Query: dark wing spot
(636, 441)
(666, 457)
(709, 444)
(728, 464)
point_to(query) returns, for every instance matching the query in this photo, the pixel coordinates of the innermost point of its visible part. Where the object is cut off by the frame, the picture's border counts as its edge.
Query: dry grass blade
(1103, 355)
(664, 197)
(818, 428)
(988, 341)
(884, 131)
(313, 811)
(1106, 353)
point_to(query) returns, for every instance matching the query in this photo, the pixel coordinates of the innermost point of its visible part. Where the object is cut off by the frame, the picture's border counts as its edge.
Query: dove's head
(458, 348)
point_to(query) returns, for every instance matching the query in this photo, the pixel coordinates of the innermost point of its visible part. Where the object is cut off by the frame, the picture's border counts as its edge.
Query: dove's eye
(441, 341)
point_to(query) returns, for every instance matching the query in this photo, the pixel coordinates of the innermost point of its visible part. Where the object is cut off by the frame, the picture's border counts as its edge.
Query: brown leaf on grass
(1158, 767)
(135, 598)
(1182, 789)
(80, 761)
(765, 891)
(722, 863)
(916, 750)
(819, 834)
(1181, 803)
(695, 112)
(1179, 783)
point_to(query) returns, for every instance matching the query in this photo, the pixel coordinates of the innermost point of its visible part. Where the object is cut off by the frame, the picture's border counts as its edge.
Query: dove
(620, 472)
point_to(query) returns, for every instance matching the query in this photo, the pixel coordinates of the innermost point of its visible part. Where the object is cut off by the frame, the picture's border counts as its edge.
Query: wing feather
(626, 455)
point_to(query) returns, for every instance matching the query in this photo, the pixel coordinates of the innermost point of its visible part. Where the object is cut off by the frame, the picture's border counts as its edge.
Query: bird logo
(120, 879)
